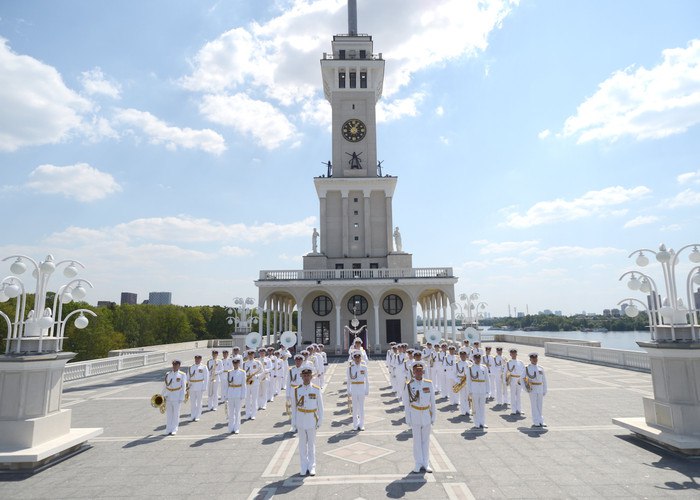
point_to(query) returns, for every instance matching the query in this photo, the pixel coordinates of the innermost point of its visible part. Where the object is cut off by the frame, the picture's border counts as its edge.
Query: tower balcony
(356, 274)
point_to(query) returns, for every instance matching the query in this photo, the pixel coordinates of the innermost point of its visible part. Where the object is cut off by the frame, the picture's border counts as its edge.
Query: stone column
(267, 318)
(346, 222)
(389, 226)
(414, 309)
(377, 342)
(275, 306)
(368, 232)
(322, 224)
(444, 315)
(299, 328)
(454, 327)
(338, 331)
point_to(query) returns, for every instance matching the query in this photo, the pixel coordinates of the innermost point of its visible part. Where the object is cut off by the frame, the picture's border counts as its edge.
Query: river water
(610, 340)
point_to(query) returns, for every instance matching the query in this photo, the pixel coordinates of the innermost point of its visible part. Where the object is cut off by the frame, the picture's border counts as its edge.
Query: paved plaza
(580, 455)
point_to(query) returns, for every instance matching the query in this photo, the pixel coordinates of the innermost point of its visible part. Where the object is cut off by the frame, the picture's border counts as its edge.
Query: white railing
(541, 341)
(620, 358)
(349, 274)
(83, 369)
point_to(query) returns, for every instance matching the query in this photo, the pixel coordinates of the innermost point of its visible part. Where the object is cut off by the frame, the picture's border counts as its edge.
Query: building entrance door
(362, 334)
(393, 330)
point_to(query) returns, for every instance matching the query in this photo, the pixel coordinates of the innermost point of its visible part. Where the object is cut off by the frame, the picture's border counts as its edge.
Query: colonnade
(278, 318)
(434, 308)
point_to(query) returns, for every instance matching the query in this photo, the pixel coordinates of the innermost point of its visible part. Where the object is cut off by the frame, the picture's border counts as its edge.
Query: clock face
(354, 130)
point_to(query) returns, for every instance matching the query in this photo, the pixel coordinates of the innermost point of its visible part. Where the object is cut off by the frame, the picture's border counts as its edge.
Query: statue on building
(379, 168)
(329, 168)
(397, 239)
(355, 162)
(314, 241)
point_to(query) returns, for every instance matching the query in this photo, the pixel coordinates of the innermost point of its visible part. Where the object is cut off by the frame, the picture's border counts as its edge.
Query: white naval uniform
(450, 377)
(426, 356)
(487, 361)
(462, 371)
(226, 366)
(174, 394)
(198, 376)
(272, 385)
(397, 372)
(236, 390)
(252, 368)
(358, 389)
(440, 382)
(215, 368)
(419, 403)
(320, 369)
(499, 366)
(284, 357)
(478, 383)
(293, 381)
(515, 368)
(264, 386)
(307, 403)
(538, 390)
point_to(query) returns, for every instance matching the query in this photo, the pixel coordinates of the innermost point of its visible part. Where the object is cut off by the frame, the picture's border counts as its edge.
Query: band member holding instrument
(499, 367)
(174, 394)
(226, 366)
(358, 388)
(215, 368)
(198, 376)
(450, 374)
(537, 381)
(252, 368)
(462, 371)
(293, 381)
(441, 385)
(307, 403)
(419, 403)
(487, 361)
(514, 373)
(265, 377)
(478, 386)
(324, 360)
(236, 389)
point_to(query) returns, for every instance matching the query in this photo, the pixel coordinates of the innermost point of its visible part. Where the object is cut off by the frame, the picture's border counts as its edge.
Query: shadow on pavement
(144, 440)
(209, 440)
(406, 485)
(533, 432)
(341, 436)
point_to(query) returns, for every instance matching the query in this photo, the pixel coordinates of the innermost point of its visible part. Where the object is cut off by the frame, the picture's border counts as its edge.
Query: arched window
(322, 305)
(357, 304)
(392, 304)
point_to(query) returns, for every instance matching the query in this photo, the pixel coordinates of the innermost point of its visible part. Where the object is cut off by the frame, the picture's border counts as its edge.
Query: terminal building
(357, 267)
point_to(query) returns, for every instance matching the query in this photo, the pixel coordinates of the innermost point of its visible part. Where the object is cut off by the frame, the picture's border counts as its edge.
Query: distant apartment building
(160, 298)
(129, 298)
(106, 303)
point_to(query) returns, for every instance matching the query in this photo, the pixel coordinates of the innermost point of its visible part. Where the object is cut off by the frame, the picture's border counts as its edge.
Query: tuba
(253, 340)
(288, 339)
(158, 401)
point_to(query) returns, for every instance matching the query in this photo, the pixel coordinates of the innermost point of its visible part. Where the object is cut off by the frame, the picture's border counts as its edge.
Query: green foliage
(553, 323)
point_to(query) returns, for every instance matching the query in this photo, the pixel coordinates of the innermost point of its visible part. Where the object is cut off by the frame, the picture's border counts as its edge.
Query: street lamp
(33, 425)
(671, 416)
(472, 307)
(241, 315)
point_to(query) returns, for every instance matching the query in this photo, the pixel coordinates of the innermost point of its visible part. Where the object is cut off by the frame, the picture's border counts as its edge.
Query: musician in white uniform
(478, 384)
(226, 366)
(358, 389)
(487, 360)
(307, 403)
(253, 369)
(450, 375)
(514, 373)
(499, 366)
(324, 361)
(537, 380)
(174, 394)
(357, 344)
(440, 382)
(462, 372)
(198, 377)
(419, 404)
(215, 368)
(264, 386)
(427, 355)
(293, 381)
(235, 394)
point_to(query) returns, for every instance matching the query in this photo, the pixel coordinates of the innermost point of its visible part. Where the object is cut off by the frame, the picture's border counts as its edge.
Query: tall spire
(352, 17)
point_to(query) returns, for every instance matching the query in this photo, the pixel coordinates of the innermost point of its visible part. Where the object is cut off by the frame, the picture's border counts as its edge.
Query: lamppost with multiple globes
(672, 417)
(34, 429)
(241, 315)
(472, 306)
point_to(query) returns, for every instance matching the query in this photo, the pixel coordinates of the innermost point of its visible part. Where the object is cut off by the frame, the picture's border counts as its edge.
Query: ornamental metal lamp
(34, 430)
(241, 317)
(672, 417)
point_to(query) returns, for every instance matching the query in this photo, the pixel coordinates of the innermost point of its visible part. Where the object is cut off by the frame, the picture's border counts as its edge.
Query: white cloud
(575, 252)
(236, 251)
(80, 182)
(591, 203)
(159, 132)
(317, 111)
(686, 198)
(439, 111)
(488, 247)
(689, 178)
(544, 134)
(643, 103)
(641, 220)
(37, 107)
(396, 109)
(258, 119)
(95, 82)
(672, 227)
(444, 140)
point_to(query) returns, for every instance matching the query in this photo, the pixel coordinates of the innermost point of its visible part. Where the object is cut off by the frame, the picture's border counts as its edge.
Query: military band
(307, 403)
(215, 368)
(514, 374)
(174, 393)
(419, 406)
(236, 389)
(198, 377)
(358, 389)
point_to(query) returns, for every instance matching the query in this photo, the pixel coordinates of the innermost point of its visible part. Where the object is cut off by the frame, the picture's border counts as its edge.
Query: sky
(171, 146)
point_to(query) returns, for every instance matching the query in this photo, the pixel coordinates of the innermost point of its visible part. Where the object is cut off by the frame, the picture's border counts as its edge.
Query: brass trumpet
(158, 401)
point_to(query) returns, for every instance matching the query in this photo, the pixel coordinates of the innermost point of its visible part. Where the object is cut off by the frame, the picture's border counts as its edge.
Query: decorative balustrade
(83, 369)
(631, 360)
(350, 274)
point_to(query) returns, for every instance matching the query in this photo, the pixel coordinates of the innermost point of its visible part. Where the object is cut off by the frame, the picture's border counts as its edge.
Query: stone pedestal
(399, 260)
(315, 261)
(34, 430)
(672, 416)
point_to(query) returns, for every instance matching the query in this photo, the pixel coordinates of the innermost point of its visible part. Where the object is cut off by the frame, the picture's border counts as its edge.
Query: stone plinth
(315, 261)
(672, 416)
(33, 427)
(399, 260)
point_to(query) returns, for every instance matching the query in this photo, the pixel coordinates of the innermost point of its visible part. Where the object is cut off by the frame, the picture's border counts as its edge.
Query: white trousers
(479, 402)
(213, 399)
(454, 397)
(500, 390)
(421, 444)
(536, 399)
(515, 390)
(358, 410)
(172, 415)
(196, 403)
(464, 402)
(234, 413)
(251, 401)
(262, 393)
(492, 385)
(307, 449)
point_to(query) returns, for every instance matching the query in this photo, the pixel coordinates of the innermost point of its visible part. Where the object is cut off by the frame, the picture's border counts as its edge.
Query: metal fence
(630, 360)
(83, 369)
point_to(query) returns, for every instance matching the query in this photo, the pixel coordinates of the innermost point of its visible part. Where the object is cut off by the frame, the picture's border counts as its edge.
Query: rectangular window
(356, 224)
(355, 200)
(357, 238)
(355, 212)
(323, 332)
(363, 80)
(341, 80)
(340, 266)
(353, 80)
(356, 266)
(363, 54)
(341, 54)
(374, 265)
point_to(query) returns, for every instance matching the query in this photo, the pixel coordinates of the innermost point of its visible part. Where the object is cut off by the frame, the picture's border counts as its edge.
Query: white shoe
(416, 469)
(235, 432)
(173, 433)
(360, 428)
(428, 469)
(312, 472)
(293, 429)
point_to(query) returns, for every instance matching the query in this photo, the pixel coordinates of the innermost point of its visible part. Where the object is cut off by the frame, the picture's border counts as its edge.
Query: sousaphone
(288, 339)
(253, 340)
(472, 333)
(433, 336)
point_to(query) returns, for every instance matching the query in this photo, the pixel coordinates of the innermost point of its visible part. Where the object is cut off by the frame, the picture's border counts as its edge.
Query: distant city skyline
(536, 143)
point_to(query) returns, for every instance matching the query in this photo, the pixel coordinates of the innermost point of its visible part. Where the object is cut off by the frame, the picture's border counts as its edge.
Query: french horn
(158, 401)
